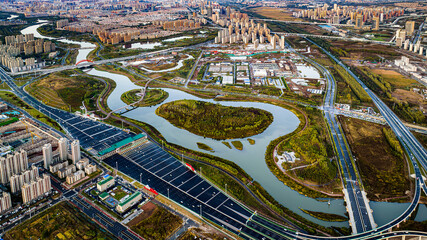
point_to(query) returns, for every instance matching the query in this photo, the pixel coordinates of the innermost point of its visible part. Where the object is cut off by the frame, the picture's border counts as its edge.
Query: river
(251, 158)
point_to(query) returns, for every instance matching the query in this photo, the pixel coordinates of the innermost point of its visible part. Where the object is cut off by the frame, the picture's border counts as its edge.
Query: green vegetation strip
(238, 145)
(214, 120)
(152, 97)
(329, 217)
(204, 147)
(62, 221)
(159, 225)
(13, 99)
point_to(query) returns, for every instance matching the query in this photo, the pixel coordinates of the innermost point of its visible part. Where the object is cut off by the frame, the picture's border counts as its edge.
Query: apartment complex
(5, 202)
(18, 180)
(13, 164)
(36, 188)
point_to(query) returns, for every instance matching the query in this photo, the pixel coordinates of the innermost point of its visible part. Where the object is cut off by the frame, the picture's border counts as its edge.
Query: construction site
(27, 135)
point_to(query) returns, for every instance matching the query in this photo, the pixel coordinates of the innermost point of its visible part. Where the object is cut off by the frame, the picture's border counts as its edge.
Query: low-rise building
(82, 163)
(105, 183)
(75, 177)
(89, 169)
(64, 172)
(129, 202)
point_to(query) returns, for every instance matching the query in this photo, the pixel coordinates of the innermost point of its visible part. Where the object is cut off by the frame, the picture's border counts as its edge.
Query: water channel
(251, 158)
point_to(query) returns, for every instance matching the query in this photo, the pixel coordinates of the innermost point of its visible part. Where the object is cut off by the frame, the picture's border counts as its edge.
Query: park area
(215, 120)
(62, 221)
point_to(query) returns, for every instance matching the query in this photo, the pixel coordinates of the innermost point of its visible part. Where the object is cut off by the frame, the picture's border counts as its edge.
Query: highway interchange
(211, 203)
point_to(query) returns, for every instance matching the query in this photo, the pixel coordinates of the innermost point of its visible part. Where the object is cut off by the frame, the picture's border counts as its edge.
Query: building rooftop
(121, 144)
(130, 198)
(105, 180)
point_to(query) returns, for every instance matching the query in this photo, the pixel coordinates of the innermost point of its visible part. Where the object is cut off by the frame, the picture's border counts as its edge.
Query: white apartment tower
(5, 202)
(63, 149)
(75, 151)
(47, 155)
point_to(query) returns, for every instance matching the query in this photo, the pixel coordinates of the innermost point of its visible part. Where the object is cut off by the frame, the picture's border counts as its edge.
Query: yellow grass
(394, 78)
(276, 13)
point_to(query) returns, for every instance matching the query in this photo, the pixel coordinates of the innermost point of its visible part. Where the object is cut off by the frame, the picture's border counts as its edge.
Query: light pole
(168, 192)
(226, 188)
(200, 171)
(140, 178)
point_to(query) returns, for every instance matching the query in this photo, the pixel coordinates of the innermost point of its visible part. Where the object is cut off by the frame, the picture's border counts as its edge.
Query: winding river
(251, 158)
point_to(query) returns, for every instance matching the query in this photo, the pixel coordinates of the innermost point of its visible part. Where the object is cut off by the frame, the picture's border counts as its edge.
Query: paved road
(100, 62)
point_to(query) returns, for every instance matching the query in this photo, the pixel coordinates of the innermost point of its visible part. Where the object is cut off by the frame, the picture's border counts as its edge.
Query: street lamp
(226, 188)
(140, 178)
(168, 192)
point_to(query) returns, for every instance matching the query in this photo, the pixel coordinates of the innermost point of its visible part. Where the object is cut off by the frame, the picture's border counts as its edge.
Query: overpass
(303, 22)
(360, 213)
(143, 91)
(303, 35)
(85, 64)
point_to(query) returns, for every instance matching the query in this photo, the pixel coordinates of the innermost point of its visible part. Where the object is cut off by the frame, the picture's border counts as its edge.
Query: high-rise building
(47, 155)
(409, 27)
(5, 202)
(36, 188)
(359, 21)
(375, 23)
(399, 42)
(336, 19)
(23, 160)
(75, 151)
(63, 149)
(12, 164)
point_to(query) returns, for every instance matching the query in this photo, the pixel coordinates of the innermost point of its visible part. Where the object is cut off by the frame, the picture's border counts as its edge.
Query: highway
(193, 69)
(361, 219)
(233, 216)
(100, 62)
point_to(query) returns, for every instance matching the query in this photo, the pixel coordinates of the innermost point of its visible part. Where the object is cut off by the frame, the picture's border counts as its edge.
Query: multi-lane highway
(100, 62)
(173, 180)
(361, 219)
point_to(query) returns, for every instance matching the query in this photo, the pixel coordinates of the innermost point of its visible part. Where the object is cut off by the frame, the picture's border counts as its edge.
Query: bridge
(303, 22)
(88, 63)
(143, 92)
(303, 35)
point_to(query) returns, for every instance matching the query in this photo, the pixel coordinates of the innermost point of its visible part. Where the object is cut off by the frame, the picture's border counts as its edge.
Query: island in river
(215, 120)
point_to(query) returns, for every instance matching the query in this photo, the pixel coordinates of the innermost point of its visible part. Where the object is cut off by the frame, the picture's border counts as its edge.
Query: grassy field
(379, 158)
(313, 147)
(275, 13)
(67, 90)
(13, 99)
(62, 221)
(119, 193)
(152, 97)
(395, 79)
(155, 222)
(406, 103)
(215, 120)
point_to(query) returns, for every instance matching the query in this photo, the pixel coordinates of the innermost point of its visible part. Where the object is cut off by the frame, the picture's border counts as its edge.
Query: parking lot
(153, 166)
